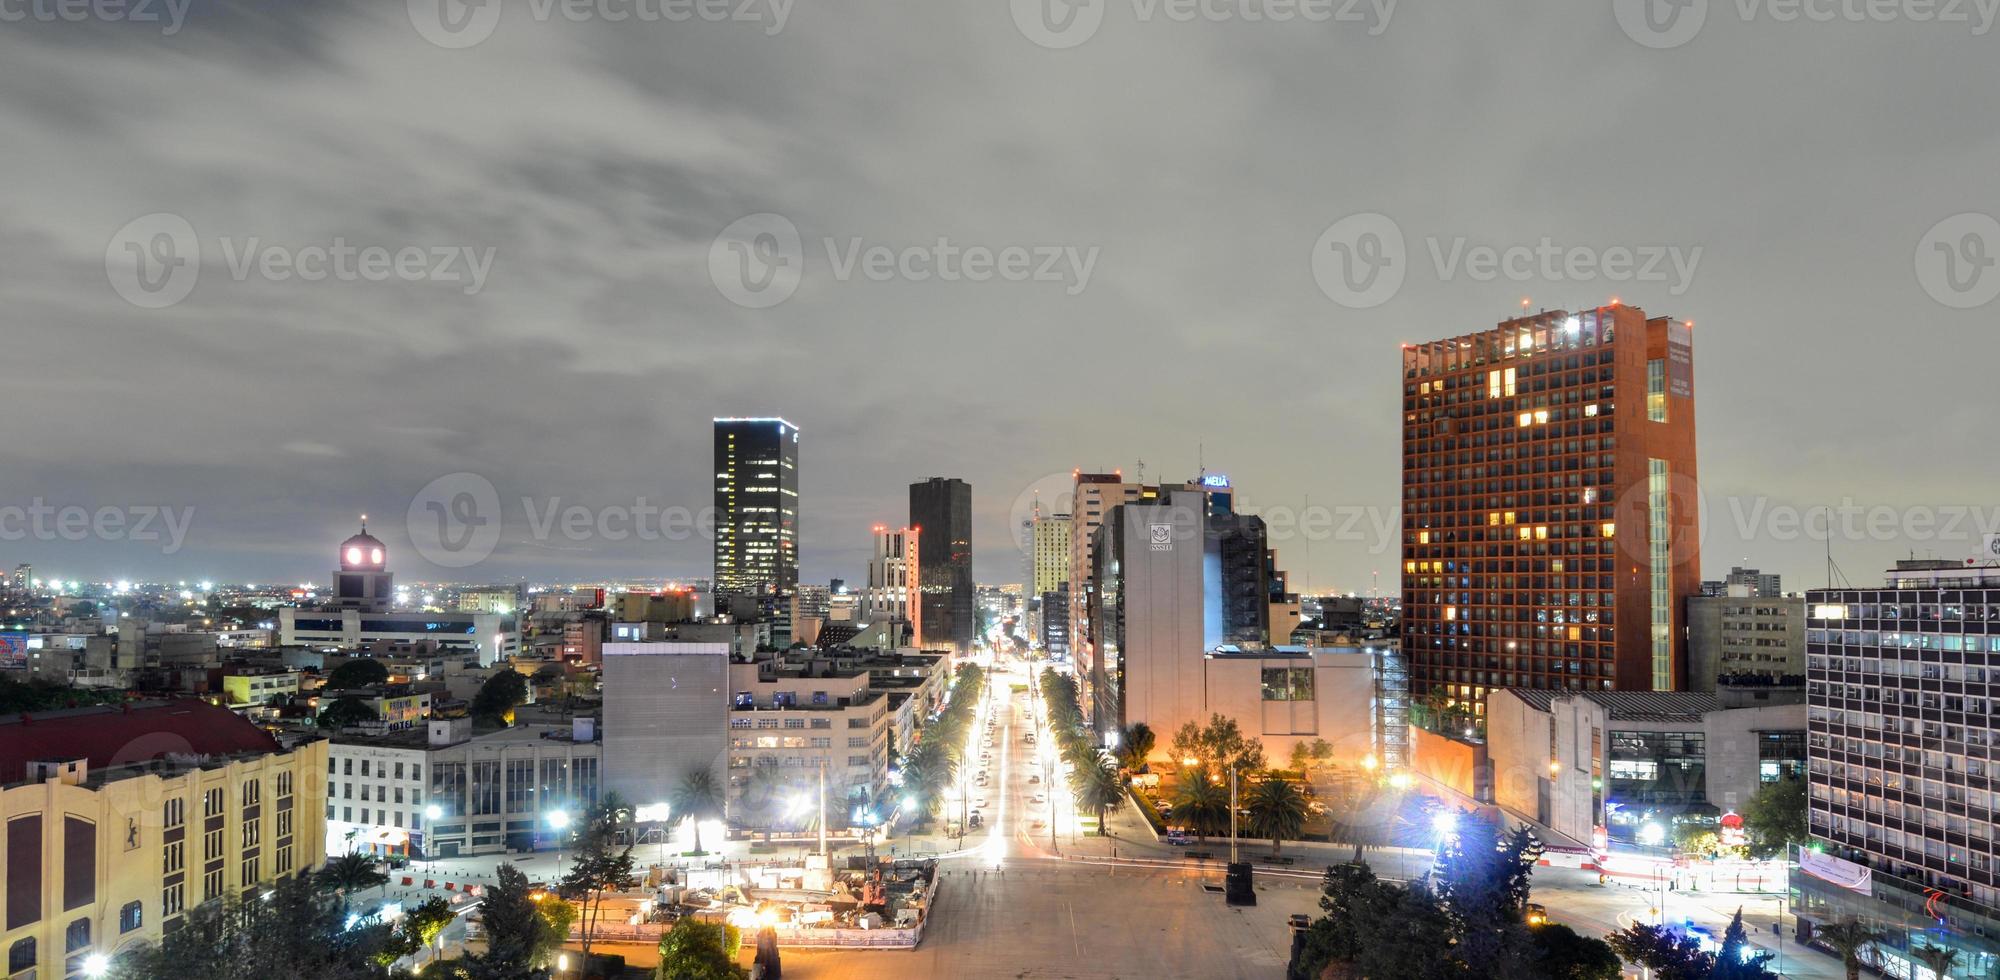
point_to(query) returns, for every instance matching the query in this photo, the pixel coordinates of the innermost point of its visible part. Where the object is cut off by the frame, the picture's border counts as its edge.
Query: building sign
(1163, 537)
(1833, 870)
(13, 651)
(1992, 550)
(1680, 360)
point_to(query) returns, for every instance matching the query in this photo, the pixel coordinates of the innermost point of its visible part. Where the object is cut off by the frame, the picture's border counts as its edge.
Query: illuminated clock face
(375, 556)
(354, 556)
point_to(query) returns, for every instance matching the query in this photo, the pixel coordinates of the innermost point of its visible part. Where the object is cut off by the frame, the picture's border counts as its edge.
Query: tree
(344, 712)
(1200, 804)
(522, 933)
(1671, 955)
(356, 673)
(598, 865)
(350, 873)
(1776, 817)
(295, 930)
(1277, 810)
(1187, 745)
(1423, 931)
(1137, 742)
(697, 798)
(697, 950)
(1098, 786)
(500, 695)
(1735, 961)
(1849, 939)
(1938, 959)
(418, 928)
(1565, 954)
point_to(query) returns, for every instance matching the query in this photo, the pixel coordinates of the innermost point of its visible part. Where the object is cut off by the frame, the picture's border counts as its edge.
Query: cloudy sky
(564, 320)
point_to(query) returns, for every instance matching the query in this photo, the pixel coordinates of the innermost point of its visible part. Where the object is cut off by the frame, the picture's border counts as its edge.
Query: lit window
(1527, 418)
(1610, 530)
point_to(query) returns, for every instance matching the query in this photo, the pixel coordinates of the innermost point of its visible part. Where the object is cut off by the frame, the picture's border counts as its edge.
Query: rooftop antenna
(1201, 459)
(1142, 472)
(1833, 573)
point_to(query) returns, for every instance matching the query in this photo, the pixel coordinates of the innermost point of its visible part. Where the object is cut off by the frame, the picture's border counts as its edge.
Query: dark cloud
(598, 161)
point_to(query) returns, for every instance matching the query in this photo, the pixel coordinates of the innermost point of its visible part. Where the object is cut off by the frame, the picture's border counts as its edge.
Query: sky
(267, 267)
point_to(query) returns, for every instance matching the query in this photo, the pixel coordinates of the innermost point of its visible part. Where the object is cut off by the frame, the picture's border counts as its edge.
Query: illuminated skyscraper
(1551, 520)
(757, 517)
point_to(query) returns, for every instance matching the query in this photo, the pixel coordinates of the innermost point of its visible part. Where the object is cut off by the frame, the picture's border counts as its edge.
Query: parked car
(1038, 798)
(1035, 779)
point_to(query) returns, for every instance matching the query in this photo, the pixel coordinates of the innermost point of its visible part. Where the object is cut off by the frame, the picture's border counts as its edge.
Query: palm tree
(1938, 959)
(927, 771)
(1098, 786)
(1849, 939)
(350, 873)
(1199, 804)
(697, 798)
(1277, 811)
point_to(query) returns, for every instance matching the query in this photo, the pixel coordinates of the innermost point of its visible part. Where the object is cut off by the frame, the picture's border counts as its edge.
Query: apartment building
(119, 820)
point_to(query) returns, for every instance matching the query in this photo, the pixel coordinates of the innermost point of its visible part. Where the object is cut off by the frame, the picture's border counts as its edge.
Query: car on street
(1034, 779)
(1038, 798)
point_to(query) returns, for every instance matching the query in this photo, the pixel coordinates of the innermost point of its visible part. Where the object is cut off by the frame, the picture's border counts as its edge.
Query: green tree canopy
(357, 672)
(500, 695)
(1776, 817)
(695, 949)
(344, 712)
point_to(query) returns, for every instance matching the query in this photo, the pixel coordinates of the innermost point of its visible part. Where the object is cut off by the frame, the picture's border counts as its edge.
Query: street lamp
(96, 965)
(559, 821)
(432, 814)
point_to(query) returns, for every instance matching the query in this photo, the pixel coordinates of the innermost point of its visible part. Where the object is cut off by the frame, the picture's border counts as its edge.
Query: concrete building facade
(1578, 761)
(1901, 683)
(1747, 639)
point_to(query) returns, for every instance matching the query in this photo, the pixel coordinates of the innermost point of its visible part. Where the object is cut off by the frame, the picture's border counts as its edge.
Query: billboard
(13, 651)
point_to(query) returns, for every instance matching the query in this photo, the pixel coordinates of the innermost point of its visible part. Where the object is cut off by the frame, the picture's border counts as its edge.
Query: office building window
(131, 917)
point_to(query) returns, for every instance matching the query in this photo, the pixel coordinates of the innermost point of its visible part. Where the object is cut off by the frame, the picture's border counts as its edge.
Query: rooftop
(1630, 705)
(108, 736)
